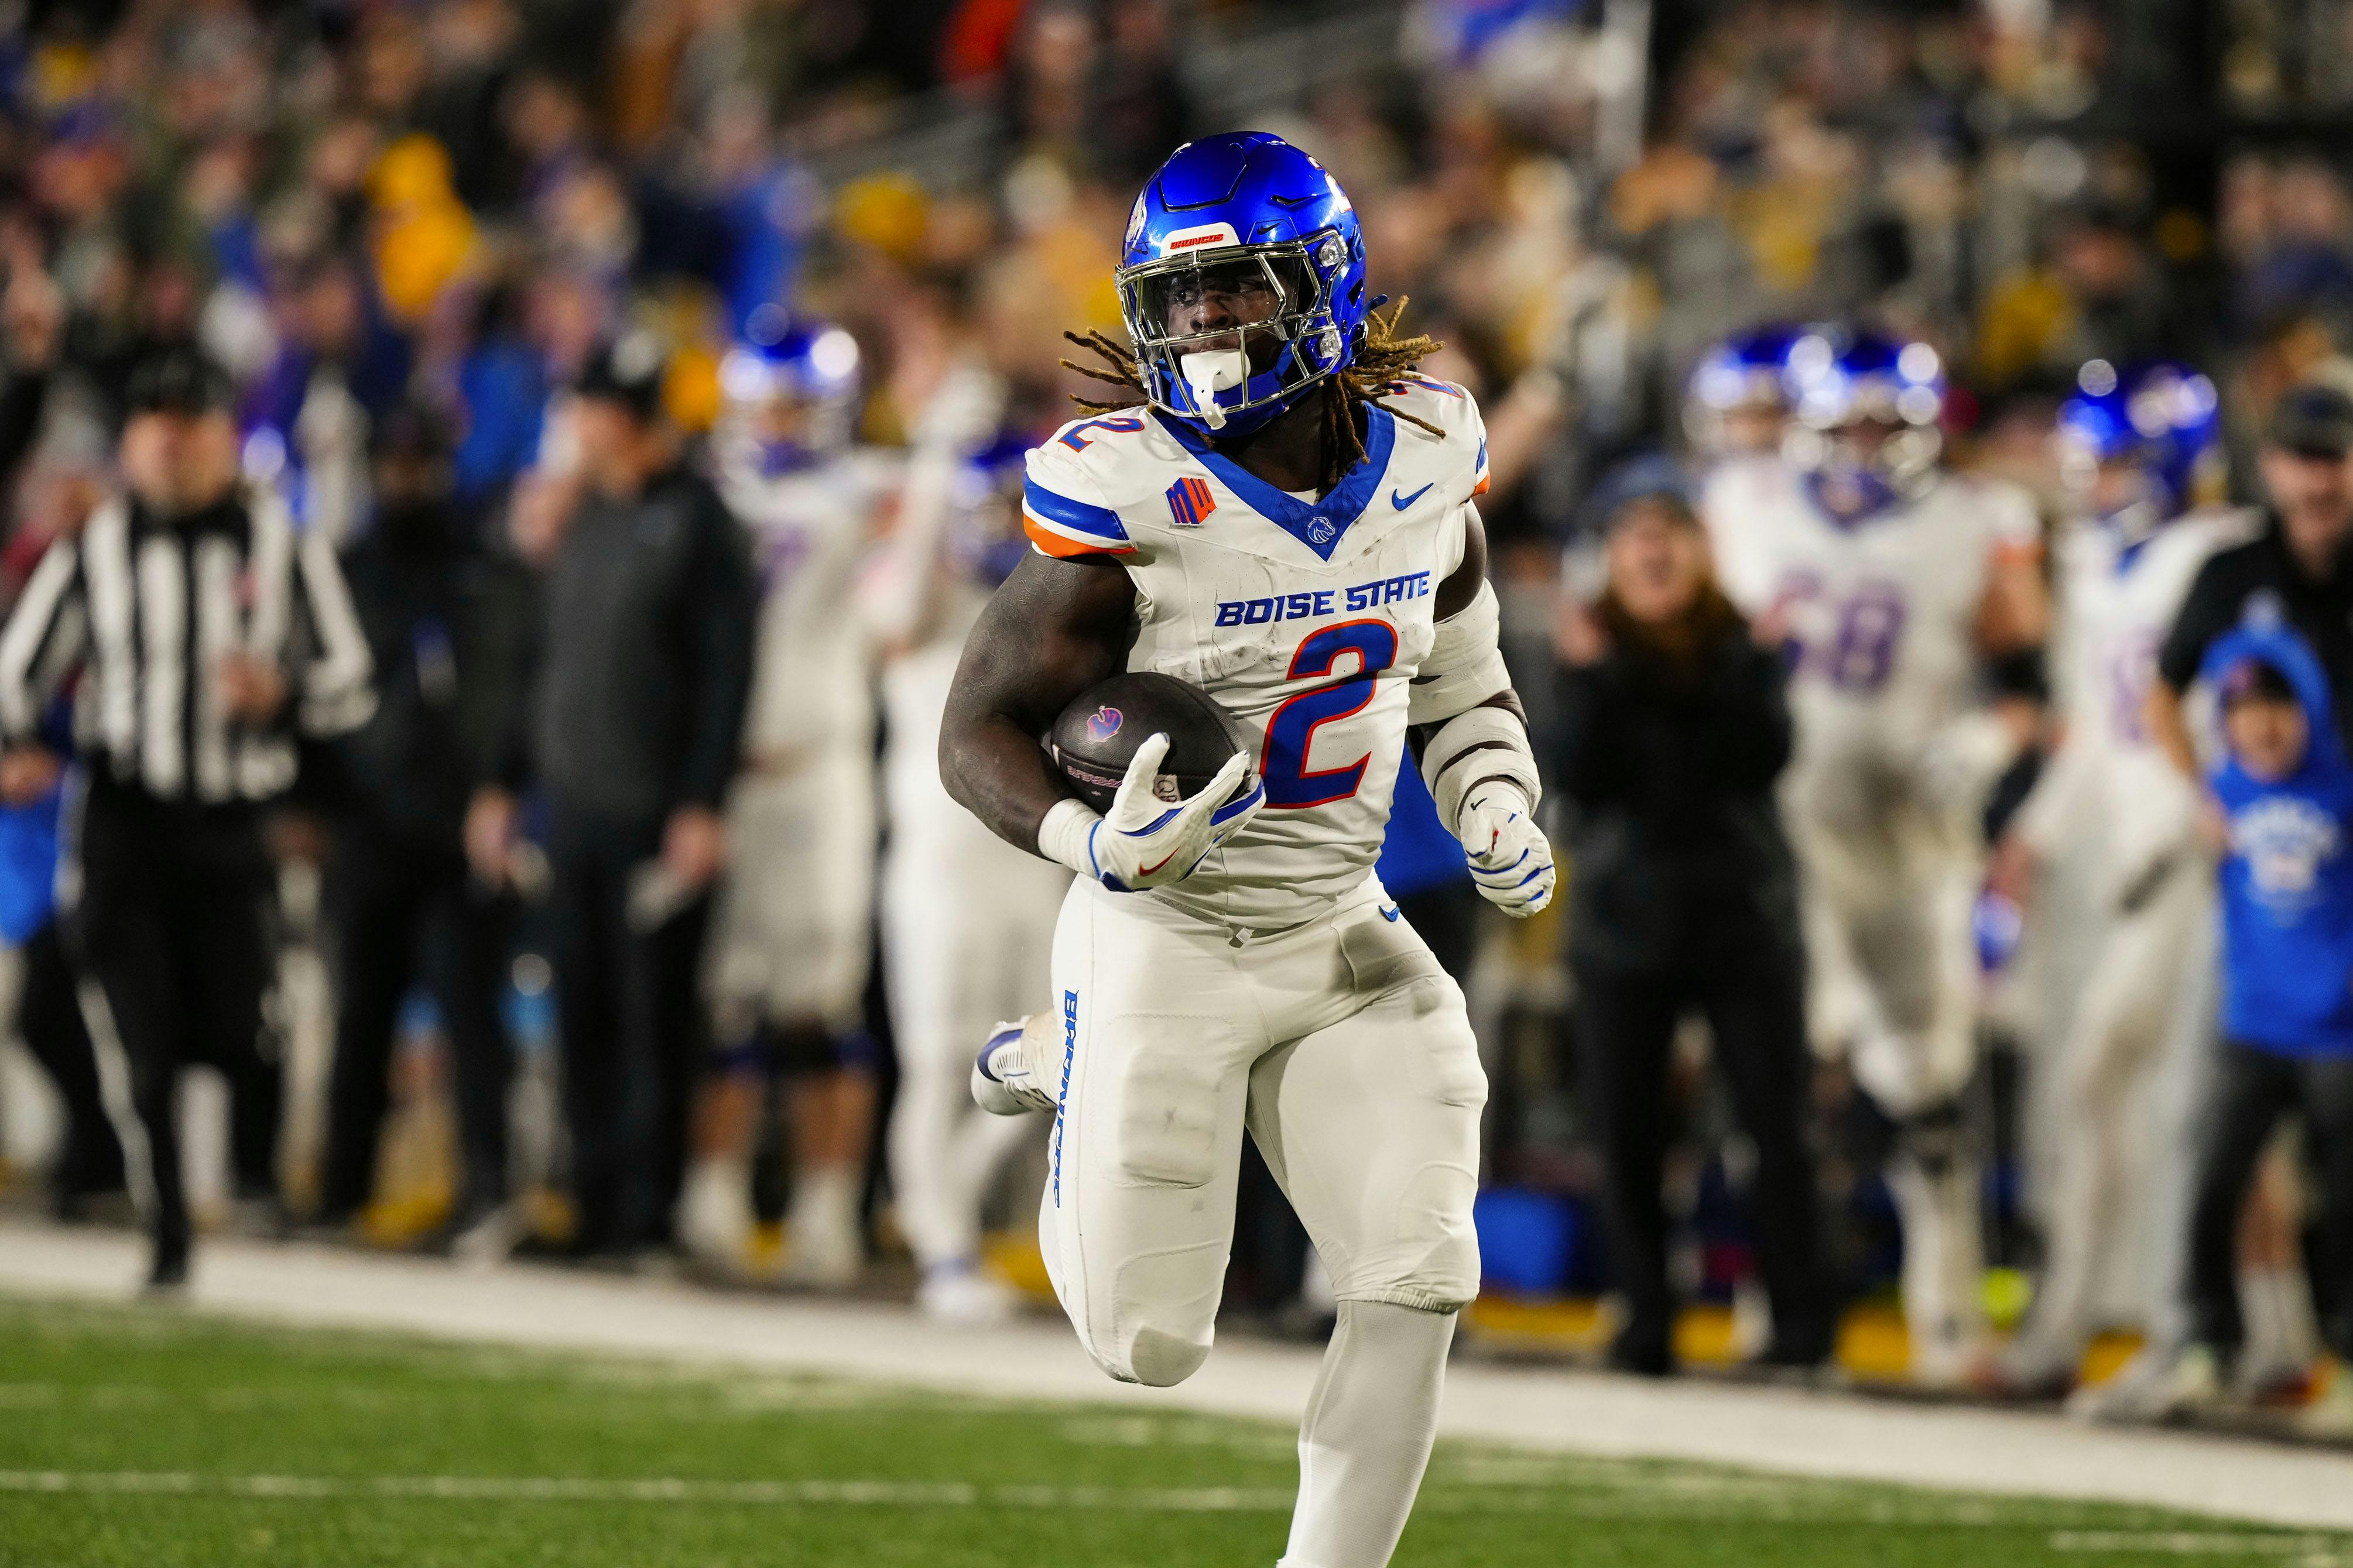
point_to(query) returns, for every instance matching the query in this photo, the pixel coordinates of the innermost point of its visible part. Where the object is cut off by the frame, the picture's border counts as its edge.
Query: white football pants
(2134, 1008)
(1345, 1051)
(1890, 891)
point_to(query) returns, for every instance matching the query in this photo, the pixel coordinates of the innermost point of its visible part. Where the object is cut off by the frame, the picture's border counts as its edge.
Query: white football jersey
(1731, 498)
(1881, 612)
(2117, 600)
(926, 825)
(811, 685)
(1306, 619)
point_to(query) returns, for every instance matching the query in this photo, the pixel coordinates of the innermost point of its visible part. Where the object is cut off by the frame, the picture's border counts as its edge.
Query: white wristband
(1066, 835)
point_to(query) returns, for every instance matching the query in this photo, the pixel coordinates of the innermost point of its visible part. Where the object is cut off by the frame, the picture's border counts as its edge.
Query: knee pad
(1158, 1360)
(1162, 1317)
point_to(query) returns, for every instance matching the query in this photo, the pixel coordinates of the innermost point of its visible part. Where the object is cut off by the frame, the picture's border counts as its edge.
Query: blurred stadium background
(364, 207)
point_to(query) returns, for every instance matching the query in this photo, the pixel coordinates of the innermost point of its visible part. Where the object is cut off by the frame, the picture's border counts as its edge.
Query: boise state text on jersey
(1307, 620)
(1320, 601)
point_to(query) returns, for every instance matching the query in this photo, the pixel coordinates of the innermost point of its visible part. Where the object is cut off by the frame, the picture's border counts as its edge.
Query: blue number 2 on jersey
(1290, 783)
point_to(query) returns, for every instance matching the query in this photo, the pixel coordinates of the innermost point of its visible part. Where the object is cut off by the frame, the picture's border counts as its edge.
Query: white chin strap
(1209, 372)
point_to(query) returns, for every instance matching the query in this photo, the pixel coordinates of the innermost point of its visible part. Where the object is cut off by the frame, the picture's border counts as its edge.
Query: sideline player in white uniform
(967, 919)
(789, 949)
(1288, 524)
(2140, 448)
(1895, 584)
(1736, 415)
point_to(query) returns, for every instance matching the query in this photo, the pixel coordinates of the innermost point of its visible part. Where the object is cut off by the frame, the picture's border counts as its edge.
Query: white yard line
(2285, 1551)
(1784, 1430)
(649, 1488)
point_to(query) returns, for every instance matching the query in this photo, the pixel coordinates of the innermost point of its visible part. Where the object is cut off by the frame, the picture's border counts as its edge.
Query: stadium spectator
(56, 499)
(1673, 729)
(2285, 790)
(214, 634)
(644, 665)
(89, 1163)
(443, 620)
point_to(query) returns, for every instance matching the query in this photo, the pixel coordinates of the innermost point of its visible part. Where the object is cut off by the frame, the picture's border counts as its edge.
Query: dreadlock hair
(1381, 357)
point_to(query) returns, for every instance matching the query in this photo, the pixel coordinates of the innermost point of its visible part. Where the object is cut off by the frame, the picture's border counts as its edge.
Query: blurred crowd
(656, 369)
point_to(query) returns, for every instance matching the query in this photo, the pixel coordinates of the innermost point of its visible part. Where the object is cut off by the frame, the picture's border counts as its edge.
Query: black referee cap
(178, 381)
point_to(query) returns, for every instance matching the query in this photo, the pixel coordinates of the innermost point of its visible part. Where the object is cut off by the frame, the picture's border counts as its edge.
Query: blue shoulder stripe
(1077, 516)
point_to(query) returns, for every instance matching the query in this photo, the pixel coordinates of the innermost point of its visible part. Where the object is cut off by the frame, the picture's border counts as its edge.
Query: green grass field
(152, 1438)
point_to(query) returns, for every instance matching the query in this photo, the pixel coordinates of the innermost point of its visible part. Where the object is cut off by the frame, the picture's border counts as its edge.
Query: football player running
(788, 962)
(1272, 506)
(2141, 453)
(1903, 592)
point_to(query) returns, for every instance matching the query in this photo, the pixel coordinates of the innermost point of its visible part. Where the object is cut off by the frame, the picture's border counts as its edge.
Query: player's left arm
(1469, 735)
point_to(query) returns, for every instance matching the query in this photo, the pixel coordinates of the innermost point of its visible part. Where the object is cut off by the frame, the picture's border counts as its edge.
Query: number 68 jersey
(1881, 612)
(1306, 618)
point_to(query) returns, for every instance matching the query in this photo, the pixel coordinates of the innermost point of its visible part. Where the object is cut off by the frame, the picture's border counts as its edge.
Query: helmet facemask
(1230, 335)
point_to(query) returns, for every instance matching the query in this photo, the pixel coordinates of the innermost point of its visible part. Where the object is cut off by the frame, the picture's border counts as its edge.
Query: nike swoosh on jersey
(1401, 503)
(1389, 912)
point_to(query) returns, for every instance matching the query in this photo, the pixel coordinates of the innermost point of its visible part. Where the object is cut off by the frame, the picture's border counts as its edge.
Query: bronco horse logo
(1104, 723)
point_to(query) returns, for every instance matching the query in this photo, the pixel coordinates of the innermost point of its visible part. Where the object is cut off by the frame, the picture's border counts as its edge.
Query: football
(1097, 735)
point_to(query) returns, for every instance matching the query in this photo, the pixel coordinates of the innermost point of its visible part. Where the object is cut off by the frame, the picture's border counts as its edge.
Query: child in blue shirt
(2285, 788)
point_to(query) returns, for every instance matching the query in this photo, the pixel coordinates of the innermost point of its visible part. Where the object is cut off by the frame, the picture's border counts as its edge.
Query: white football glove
(1144, 841)
(1511, 860)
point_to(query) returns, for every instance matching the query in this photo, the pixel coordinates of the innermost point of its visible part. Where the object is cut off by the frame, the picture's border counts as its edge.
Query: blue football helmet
(2162, 422)
(984, 539)
(788, 393)
(1866, 408)
(1745, 374)
(1235, 219)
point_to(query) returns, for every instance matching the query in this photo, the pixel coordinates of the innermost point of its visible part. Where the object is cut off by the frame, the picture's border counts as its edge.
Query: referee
(204, 632)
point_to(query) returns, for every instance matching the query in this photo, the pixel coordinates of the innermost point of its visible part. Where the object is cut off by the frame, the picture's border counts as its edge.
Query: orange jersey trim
(1061, 546)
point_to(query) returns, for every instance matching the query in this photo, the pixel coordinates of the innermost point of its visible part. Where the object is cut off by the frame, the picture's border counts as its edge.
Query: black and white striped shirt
(143, 610)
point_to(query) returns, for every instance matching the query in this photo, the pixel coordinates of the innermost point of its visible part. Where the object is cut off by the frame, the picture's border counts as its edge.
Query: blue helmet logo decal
(1104, 723)
(1242, 282)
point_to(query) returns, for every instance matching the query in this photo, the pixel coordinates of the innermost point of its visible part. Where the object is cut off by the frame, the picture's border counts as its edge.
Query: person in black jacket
(446, 621)
(1685, 899)
(644, 668)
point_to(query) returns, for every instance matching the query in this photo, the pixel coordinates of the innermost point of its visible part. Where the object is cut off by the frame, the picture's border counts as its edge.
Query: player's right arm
(1052, 630)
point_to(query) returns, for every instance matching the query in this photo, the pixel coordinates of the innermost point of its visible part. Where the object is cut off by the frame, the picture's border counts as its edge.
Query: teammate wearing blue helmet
(1736, 416)
(788, 955)
(1905, 595)
(1737, 403)
(2140, 450)
(1275, 506)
